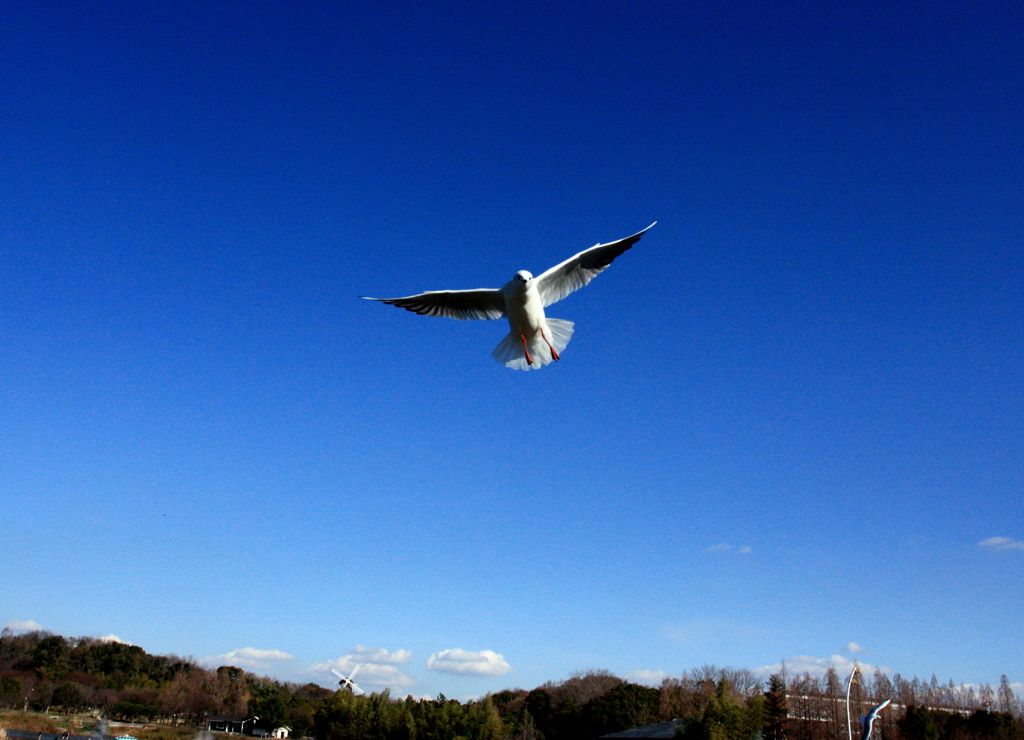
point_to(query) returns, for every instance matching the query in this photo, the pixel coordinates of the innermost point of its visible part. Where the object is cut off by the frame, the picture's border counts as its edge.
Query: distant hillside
(48, 673)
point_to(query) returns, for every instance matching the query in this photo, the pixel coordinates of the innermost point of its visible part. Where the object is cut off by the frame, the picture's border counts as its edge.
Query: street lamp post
(849, 727)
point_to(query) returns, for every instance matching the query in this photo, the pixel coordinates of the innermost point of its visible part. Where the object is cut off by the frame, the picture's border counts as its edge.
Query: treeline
(725, 704)
(814, 702)
(48, 673)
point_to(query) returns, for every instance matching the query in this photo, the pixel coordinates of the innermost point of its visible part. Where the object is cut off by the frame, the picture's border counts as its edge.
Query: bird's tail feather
(511, 353)
(561, 333)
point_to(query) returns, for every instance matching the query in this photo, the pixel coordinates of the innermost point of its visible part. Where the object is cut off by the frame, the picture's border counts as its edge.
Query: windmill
(347, 682)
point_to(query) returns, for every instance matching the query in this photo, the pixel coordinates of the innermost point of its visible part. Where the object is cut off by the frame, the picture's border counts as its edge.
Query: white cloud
(724, 547)
(378, 655)
(852, 647)
(469, 663)
(251, 659)
(255, 654)
(23, 625)
(375, 674)
(376, 667)
(112, 638)
(800, 664)
(646, 677)
(1001, 543)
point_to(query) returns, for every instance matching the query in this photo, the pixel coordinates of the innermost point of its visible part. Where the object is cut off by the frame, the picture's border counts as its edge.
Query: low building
(236, 724)
(279, 733)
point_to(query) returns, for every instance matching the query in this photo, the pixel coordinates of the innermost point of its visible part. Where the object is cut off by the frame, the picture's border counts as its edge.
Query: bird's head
(523, 277)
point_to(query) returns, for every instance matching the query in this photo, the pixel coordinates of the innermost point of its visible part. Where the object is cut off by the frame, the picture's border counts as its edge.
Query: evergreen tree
(540, 706)
(986, 725)
(267, 703)
(625, 706)
(918, 724)
(1004, 695)
(724, 718)
(67, 696)
(776, 709)
(50, 657)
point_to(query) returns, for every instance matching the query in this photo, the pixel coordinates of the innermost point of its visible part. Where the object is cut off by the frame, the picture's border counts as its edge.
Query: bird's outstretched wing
(561, 280)
(482, 303)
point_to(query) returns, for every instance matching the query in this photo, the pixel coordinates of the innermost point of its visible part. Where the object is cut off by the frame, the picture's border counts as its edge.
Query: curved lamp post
(849, 727)
(868, 719)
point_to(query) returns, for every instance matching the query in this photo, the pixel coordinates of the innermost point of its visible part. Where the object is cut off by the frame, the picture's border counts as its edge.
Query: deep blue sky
(790, 424)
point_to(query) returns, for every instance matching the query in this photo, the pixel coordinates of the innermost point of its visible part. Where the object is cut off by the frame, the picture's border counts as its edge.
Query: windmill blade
(346, 682)
(343, 680)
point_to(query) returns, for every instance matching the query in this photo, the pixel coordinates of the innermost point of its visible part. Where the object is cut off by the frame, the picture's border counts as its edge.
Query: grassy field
(157, 732)
(86, 724)
(31, 721)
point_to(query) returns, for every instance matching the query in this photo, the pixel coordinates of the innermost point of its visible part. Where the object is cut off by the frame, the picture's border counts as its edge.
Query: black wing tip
(630, 240)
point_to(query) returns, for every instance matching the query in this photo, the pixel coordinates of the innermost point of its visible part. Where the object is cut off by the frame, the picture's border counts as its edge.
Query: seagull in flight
(534, 340)
(869, 719)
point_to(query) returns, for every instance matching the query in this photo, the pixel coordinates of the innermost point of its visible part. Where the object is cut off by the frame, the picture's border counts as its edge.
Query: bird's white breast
(524, 307)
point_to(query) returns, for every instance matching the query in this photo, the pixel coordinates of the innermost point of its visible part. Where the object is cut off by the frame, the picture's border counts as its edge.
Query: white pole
(849, 727)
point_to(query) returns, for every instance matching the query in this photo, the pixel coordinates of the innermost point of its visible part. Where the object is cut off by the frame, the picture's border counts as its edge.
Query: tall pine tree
(775, 709)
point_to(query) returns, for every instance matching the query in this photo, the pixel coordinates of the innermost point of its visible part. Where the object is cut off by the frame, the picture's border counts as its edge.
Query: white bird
(346, 682)
(534, 340)
(869, 719)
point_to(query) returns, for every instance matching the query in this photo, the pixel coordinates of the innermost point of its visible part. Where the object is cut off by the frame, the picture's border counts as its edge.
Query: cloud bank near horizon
(376, 667)
(646, 677)
(249, 658)
(469, 663)
(23, 625)
(381, 656)
(800, 664)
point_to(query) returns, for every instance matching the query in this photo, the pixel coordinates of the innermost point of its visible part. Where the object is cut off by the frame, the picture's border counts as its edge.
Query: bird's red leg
(554, 354)
(526, 349)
